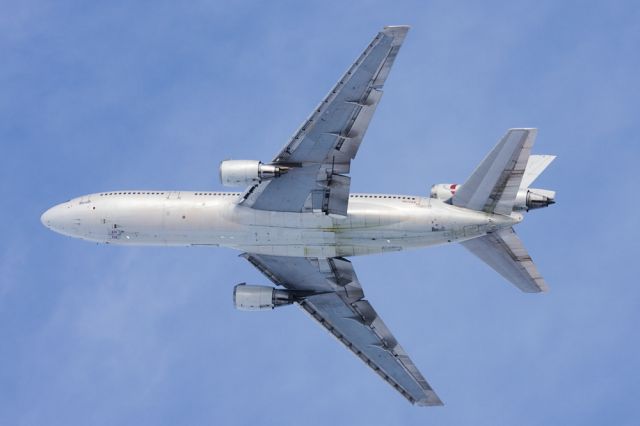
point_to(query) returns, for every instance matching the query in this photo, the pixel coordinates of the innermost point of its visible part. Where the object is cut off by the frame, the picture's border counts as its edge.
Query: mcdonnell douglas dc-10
(297, 221)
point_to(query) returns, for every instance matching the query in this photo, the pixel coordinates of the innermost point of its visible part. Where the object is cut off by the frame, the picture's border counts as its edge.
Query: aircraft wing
(319, 153)
(336, 301)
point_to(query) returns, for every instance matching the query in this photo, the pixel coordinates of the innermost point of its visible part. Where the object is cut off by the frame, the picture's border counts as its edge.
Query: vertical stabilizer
(535, 166)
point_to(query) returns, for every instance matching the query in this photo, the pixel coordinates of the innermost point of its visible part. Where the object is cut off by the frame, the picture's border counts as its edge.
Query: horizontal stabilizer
(505, 253)
(494, 185)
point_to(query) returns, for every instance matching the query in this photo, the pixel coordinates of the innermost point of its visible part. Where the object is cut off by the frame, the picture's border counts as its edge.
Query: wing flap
(338, 304)
(373, 344)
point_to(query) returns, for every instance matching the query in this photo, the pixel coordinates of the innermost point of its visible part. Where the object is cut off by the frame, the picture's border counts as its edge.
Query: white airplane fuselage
(375, 223)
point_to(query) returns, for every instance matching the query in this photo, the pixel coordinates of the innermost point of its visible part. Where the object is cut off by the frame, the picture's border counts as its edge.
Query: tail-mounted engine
(247, 172)
(532, 198)
(259, 297)
(527, 198)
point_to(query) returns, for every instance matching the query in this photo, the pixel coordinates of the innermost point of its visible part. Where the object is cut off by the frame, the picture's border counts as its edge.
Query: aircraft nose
(56, 218)
(46, 217)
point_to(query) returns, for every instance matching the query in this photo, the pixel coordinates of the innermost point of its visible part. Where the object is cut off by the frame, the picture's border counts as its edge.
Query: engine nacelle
(533, 198)
(444, 191)
(247, 172)
(260, 297)
(526, 199)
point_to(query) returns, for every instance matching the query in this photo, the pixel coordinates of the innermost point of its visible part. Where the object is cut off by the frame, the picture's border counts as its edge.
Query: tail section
(494, 185)
(535, 166)
(533, 198)
(504, 252)
(500, 185)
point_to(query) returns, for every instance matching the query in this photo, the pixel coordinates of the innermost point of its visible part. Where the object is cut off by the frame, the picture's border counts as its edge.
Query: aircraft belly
(369, 228)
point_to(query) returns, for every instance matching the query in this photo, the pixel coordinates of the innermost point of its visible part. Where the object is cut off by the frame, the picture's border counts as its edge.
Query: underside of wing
(319, 154)
(505, 253)
(334, 298)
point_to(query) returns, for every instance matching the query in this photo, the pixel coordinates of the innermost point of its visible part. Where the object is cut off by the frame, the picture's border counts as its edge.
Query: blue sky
(153, 95)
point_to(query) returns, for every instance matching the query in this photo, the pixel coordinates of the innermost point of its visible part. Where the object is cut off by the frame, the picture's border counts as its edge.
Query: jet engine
(526, 199)
(259, 297)
(247, 172)
(533, 198)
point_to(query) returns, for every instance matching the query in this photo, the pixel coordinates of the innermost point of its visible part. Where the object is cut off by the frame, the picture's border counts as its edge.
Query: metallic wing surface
(504, 252)
(319, 154)
(334, 298)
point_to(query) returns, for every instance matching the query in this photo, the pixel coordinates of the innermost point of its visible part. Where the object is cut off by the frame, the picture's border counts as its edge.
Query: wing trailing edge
(319, 153)
(504, 252)
(335, 300)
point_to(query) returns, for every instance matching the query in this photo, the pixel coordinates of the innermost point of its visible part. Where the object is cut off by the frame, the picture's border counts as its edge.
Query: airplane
(297, 222)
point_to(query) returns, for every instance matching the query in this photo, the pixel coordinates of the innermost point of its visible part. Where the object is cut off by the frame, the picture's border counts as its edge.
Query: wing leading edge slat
(338, 304)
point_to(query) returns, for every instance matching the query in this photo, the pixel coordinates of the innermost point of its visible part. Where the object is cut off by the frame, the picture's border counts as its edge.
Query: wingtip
(397, 32)
(544, 288)
(402, 29)
(430, 403)
(430, 399)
